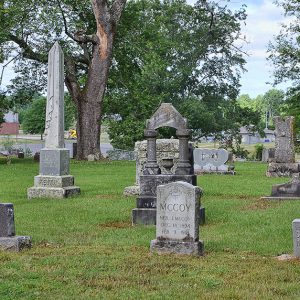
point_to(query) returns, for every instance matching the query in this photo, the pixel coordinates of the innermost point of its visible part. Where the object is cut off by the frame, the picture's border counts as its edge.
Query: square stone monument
(283, 164)
(8, 239)
(54, 180)
(177, 219)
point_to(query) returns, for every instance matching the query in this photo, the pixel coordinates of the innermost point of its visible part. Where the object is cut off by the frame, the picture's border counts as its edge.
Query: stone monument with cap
(165, 116)
(54, 180)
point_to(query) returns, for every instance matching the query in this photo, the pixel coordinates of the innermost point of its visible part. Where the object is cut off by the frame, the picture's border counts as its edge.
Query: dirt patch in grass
(260, 204)
(104, 196)
(118, 224)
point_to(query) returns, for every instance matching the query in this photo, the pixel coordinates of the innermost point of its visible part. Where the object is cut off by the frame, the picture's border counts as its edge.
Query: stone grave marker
(283, 164)
(54, 180)
(212, 161)
(286, 191)
(177, 219)
(8, 239)
(165, 116)
(296, 237)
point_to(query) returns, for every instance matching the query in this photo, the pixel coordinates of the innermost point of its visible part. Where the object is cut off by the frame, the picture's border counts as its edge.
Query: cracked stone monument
(212, 161)
(165, 116)
(54, 180)
(283, 164)
(177, 219)
(8, 239)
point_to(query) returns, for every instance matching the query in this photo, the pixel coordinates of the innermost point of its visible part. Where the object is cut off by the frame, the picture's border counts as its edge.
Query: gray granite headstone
(212, 161)
(177, 219)
(8, 240)
(54, 180)
(7, 224)
(283, 164)
(296, 237)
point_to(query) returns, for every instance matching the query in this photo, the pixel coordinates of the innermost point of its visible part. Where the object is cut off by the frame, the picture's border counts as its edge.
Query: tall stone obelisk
(54, 180)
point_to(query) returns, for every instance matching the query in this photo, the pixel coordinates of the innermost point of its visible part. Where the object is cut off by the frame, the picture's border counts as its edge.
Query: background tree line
(164, 51)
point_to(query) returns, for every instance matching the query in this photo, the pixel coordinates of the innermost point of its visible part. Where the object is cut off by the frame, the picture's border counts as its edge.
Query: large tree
(285, 56)
(169, 51)
(86, 30)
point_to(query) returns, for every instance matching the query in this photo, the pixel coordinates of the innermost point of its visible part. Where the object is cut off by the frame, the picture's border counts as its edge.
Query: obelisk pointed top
(56, 47)
(54, 127)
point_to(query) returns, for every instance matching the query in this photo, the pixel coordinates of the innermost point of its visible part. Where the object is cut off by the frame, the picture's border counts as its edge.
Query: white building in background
(11, 117)
(249, 137)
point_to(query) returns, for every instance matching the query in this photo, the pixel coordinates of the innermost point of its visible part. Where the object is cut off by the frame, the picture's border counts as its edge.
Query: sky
(263, 22)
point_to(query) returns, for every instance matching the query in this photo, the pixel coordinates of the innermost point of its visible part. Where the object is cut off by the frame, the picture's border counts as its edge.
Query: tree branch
(116, 10)
(27, 50)
(71, 80)
(78, 37)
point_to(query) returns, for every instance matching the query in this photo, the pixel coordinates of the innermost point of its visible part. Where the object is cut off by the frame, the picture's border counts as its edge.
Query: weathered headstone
(8, 239)
(54, 180)
(286, 191)
(177, 219)
(283, 163)
(268, 155)
(165, 116)
(212, 161)
(296, 237)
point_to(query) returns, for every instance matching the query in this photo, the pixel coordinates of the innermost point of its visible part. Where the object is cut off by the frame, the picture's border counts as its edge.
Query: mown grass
(86, 248)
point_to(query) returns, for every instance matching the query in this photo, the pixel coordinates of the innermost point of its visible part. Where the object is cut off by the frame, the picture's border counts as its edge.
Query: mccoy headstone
(283, 163)
(212, 161)
(177, 219)
(8, 240)
(296, 237)
(54, 180)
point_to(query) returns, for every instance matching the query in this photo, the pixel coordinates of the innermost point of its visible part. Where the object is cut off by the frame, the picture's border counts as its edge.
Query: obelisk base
(15, 243)
(53, 187)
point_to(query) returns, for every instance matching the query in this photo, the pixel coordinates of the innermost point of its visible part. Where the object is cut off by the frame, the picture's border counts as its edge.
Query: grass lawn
(86, 248)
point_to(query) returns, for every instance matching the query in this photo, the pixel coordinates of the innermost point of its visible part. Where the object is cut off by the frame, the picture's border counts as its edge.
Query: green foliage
(33, 118)
(170, 52)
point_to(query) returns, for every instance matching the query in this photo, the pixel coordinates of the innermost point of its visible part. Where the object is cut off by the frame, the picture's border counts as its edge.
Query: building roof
(9, 128)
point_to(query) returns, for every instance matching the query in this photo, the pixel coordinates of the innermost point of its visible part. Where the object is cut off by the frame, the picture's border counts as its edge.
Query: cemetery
(159, 213)
(97, 242)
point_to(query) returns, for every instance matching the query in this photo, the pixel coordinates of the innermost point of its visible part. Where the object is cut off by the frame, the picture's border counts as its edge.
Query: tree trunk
(89, 100)
(88, 129)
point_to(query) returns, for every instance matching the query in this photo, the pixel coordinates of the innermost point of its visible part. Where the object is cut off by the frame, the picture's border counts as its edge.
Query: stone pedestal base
(15, 243)
(144, 216)
(53, 187)
(282, 169)
(168, 246)
(54, 162)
